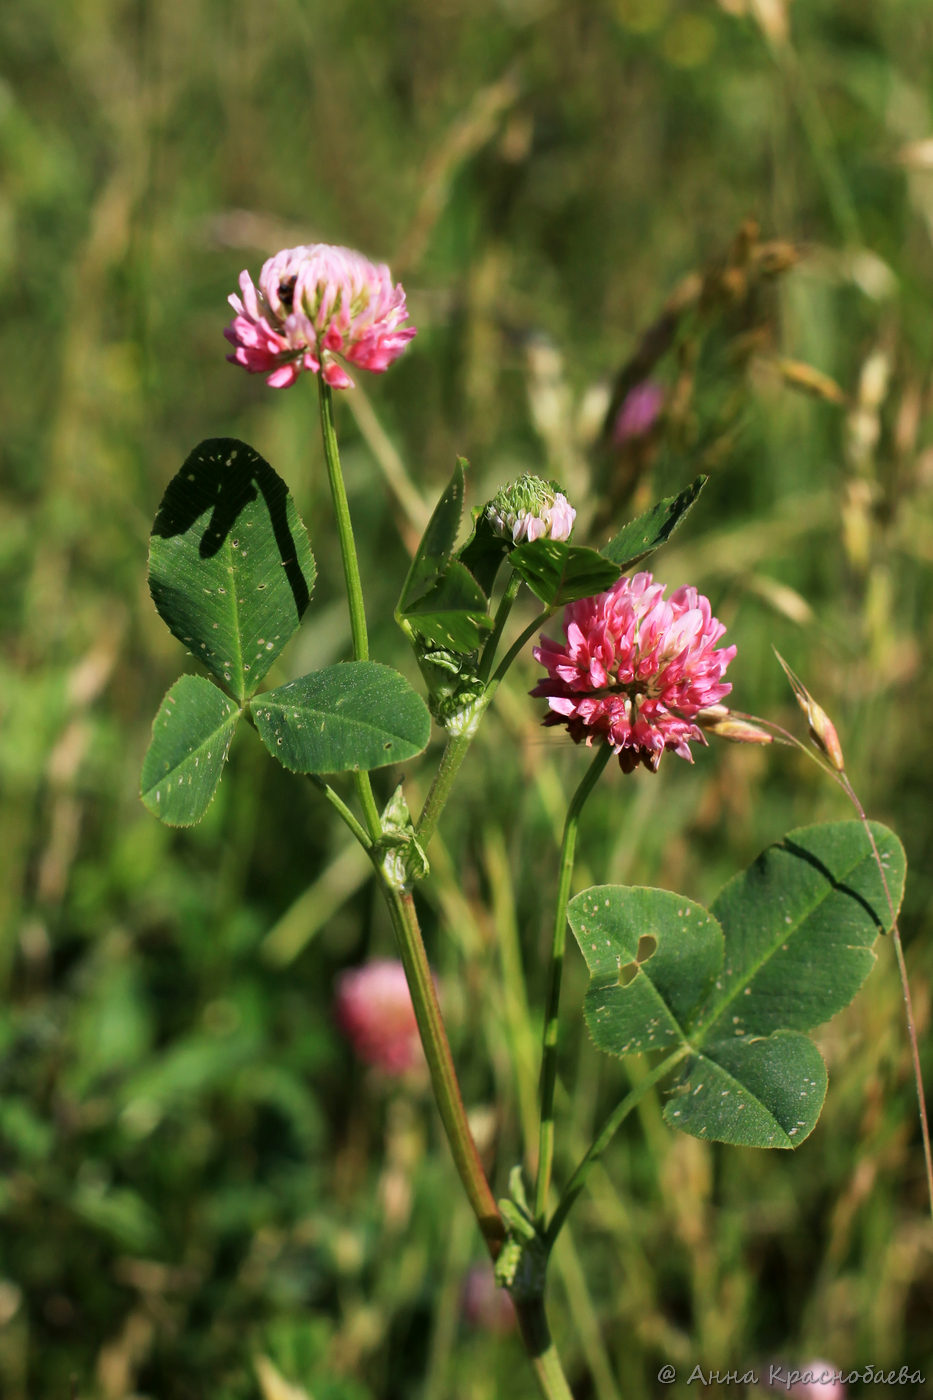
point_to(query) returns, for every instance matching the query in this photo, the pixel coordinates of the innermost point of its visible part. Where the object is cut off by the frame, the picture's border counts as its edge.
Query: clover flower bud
(719, 720)
(531, 509)
(822, 730)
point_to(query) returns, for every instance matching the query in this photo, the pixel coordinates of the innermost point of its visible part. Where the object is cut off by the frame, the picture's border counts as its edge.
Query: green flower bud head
(531, 509)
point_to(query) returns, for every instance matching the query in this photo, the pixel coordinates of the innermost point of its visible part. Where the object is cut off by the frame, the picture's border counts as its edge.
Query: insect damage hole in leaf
(647, 946)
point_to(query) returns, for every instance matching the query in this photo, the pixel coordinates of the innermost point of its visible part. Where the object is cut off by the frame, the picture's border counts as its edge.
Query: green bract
(642, 536)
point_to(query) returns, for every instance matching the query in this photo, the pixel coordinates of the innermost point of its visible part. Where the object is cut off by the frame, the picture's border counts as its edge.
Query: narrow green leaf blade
(652, 956)
(434, 551)
(799, 925)
(642, 536)
(355, 715)
(752, 1092)
(190, 740)
(230, 568)
(558, 573)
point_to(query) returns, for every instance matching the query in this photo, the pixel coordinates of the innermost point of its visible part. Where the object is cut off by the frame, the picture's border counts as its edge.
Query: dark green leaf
(652, 957)
(755, 1092)
(483, 552)
(190, 738)
(441, 602)
(356, 715)
(786, 945)
(558, 573)
(641, 537)
(799, 925)
(230, 567)
(436, 547)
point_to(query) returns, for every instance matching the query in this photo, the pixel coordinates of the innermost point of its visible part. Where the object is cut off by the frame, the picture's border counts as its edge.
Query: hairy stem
(552, 1006)
(441, 1066)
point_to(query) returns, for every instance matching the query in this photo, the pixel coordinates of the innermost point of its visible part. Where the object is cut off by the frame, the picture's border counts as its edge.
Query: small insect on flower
(313, 303)
(635, 669)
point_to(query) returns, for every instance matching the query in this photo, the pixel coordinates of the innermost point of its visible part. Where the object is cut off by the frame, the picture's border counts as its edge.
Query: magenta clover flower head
(635, 669)
(313, 303)
(374, 1010)
(531, 509)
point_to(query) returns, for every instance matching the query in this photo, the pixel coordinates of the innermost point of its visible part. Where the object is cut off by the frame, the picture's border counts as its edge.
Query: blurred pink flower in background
(312, 303)
(484, 1304)
(635, 670)
(814, 1380)
(640, 410)
(374, 1010)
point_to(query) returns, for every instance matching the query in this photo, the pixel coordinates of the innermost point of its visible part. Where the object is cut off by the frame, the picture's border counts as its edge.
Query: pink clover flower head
(635, 669)
(640, 410)
(313, 303)
(374, 1010)
(531, 509)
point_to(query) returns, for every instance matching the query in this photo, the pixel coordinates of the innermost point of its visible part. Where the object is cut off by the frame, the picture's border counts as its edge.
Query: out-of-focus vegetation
(200, 1191)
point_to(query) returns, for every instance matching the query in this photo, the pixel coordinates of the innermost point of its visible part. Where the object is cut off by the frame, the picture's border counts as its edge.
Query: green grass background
(194, 1173)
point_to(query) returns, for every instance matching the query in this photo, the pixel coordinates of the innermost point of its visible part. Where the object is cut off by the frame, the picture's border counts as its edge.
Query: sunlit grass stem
(552, 1005)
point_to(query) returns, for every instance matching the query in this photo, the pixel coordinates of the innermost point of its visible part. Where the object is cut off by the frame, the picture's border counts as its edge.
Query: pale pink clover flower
(312, 303)
(635, 669)
(374, 1010)
(531, 509)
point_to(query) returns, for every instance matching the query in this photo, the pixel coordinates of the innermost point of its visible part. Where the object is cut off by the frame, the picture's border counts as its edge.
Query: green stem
(343, 811)
(502, 617)
(351, 574)
(441, 1066)
(458, 745)
(455, 751)
(541, 1351)
(517, 645)
(351, 568)
(552, 1007)
(601, 1142)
